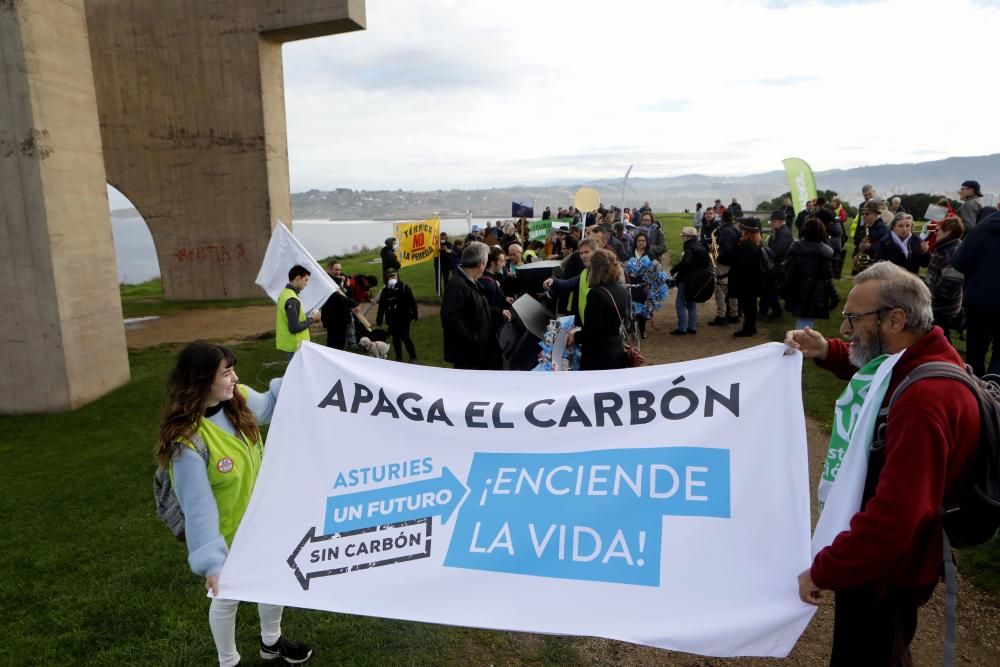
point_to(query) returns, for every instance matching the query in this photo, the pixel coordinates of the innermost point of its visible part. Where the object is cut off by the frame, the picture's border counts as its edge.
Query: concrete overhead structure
(192, 114)
(62, 342)
(180, 105)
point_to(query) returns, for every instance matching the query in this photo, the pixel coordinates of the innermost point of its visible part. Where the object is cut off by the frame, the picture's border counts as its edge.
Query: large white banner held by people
(665, 505)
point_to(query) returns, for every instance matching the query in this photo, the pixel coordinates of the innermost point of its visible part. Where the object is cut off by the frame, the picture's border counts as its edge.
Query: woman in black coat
(944, 281)
(902, 247)
(808, 270)
(389, 259)
(608, 303)
(746, 275)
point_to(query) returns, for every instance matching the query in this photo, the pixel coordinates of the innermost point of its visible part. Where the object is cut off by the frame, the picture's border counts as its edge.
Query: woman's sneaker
(290, 652)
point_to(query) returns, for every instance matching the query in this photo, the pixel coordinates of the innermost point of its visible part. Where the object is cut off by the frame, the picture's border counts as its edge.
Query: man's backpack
(700, 285)
(975, 517)
(168, 507)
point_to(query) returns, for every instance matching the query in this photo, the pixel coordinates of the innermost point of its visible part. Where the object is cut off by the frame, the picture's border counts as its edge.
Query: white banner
(283, 252)
(664, 505)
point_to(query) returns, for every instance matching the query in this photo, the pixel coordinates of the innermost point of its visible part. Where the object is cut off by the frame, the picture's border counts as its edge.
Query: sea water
(136, 254)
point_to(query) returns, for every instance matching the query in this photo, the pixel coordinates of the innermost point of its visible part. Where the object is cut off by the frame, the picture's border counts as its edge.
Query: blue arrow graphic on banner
(392, 504)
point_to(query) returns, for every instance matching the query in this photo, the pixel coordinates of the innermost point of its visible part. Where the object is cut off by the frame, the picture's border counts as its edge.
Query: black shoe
(290, 652)
(743, 334)
(718, 321)
(732, 319)
(691, 332)
(678, 332)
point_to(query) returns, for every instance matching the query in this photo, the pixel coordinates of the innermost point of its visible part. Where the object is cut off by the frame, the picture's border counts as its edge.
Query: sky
(442, 94)
(480, 93)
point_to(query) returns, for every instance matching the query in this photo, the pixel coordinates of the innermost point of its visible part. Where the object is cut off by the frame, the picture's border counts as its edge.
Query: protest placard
(418, 241)
(661, 505)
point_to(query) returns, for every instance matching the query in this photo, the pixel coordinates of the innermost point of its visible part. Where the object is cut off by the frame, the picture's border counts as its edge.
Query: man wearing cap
(778, 245)
(872, 230)
(972, 203)
(695, 259)
(389, 258)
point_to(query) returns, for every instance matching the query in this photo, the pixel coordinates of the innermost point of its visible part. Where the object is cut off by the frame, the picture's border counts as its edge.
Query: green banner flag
(800, 182)
(538, 230)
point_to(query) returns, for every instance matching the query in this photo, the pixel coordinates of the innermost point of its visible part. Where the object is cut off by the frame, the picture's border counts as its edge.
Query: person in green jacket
(208, 410)
(291, 325)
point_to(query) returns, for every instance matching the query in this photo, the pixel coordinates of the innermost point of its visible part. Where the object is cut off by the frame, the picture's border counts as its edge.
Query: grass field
(93, 578)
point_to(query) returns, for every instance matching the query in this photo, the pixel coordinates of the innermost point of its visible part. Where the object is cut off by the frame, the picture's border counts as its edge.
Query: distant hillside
(674, 193)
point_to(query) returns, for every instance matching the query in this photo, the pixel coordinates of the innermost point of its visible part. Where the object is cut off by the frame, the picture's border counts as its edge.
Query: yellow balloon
(586, 200)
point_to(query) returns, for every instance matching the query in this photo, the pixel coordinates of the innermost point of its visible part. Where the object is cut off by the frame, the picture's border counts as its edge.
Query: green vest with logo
(284, 339)
(233, 464)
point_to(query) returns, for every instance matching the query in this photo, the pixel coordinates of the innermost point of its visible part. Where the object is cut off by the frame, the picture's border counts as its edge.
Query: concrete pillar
(62, 342)
(191, 100)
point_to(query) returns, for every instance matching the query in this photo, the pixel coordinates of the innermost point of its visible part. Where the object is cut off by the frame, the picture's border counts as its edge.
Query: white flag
(283, 252)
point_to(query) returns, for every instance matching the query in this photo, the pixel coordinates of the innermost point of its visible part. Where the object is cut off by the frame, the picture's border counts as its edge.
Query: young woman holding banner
(207, 411)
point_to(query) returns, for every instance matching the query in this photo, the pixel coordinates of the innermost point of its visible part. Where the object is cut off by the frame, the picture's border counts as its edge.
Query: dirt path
(978, 614)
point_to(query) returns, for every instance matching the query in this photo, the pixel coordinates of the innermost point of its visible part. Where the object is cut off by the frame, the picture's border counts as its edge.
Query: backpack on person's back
(168, 507)
(974, 518)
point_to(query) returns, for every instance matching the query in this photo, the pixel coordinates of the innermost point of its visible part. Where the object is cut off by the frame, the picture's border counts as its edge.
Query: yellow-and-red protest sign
(418, 241)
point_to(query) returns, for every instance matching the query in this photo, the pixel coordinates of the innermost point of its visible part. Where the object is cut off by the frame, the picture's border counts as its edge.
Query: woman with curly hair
(210, 442)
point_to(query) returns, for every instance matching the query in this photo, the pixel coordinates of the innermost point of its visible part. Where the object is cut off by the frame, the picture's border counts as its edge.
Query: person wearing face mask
(389, 258)
(885, 566)
(397, 308)
(903, 247)
(210, 442)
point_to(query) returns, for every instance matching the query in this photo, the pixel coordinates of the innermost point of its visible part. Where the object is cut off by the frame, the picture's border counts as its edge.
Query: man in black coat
(778, 245)
(338, 311)
(468, 321)
(442, 263)
(727, 237)
(978, 257)
(397, 308)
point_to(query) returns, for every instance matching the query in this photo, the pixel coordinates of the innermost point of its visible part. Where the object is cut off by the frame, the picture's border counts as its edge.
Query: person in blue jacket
(206, 409)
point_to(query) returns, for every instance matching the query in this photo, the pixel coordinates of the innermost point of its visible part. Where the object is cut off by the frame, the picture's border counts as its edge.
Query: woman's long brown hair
(187, 390)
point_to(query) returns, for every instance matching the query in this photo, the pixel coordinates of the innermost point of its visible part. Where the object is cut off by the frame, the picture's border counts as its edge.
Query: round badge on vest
(224, 465)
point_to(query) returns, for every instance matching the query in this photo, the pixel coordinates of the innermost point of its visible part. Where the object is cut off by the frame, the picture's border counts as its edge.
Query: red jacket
(931, 439)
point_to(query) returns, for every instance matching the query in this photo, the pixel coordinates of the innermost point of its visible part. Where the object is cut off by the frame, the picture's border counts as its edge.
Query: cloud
(668, 106)
(784, 80)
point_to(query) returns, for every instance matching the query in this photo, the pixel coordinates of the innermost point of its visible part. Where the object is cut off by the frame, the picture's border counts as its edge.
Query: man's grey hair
(867, 188)
(898, 288)
(896, 201)
(475, 254)
(590, 242)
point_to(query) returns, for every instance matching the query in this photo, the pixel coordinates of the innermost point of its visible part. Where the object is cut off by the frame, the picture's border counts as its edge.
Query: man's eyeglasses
(851, 318)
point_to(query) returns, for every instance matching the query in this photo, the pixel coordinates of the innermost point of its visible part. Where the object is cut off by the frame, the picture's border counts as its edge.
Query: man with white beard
(886, 564)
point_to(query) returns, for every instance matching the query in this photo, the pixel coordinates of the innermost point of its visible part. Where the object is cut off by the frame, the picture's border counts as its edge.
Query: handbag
(632, 353)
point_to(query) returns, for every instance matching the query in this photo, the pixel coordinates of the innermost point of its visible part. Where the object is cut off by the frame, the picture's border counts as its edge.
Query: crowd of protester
(762, 269)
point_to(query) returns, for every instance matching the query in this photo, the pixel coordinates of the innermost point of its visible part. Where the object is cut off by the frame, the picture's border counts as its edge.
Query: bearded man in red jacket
(886, 565)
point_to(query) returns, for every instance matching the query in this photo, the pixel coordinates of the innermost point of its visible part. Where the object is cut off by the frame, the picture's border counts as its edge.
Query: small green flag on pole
(800, 182)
